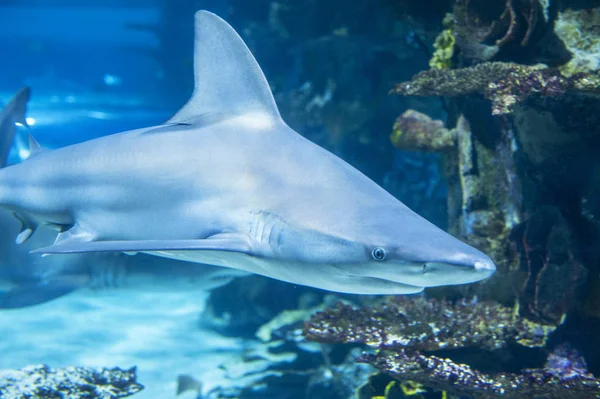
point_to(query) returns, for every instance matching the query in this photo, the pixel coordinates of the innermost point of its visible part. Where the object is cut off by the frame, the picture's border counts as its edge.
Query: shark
(227, 182)
(11, 115)
(30, 279)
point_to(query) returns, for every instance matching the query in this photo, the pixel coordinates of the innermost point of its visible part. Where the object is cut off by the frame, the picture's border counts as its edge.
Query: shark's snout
(485, 266)
(469, 270)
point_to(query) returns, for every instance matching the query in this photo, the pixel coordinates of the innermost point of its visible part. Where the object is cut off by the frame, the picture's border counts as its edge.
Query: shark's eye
(378, 254)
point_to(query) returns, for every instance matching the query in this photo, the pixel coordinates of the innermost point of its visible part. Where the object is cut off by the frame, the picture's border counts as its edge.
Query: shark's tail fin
(13, 113)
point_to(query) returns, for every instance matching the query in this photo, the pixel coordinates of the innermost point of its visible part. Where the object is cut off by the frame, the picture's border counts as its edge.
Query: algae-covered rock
(416, 131)
(405, 333)
(579, 30)
(504, 84)
(552, 274)
(444, 50)
(429, 325)
(69, 382)
(460, 379)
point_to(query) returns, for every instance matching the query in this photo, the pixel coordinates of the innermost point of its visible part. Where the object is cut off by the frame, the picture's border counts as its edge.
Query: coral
(72, 382)
(579, 30)
(478, 23)
(454, 82)
(470, 30)
(505, 84)
(444, 50)
(566, 363)
(429, 325)
(512, 22)
(460, 379)
(552, 272)
(415, 131)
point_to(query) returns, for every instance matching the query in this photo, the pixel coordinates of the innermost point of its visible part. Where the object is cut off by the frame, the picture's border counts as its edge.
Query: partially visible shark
(227, 182)
(11, 115)
(30, 279)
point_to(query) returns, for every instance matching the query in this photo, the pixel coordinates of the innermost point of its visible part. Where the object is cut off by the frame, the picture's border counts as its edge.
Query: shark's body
(227, 182)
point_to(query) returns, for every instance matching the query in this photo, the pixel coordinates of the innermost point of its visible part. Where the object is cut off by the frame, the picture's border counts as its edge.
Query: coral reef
(72, 382)
(519, 166)
(427, 325)
(536, 250)
(504, 84)
(460, 379)
(405, 331)
(520, 147)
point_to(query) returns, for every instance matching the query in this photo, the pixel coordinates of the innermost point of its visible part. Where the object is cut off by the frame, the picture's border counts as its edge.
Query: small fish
(227, 182)
(186, 383)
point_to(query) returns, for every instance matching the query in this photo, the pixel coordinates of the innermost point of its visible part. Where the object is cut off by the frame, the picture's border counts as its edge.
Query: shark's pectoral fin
(35, 294)
(219, 242)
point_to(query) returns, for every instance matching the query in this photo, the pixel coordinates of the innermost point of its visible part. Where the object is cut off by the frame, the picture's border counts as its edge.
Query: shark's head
(422, 255)
(417, 261)
(397, 253)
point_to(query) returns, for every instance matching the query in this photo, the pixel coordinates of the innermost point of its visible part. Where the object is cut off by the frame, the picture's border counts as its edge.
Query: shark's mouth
(388, 287)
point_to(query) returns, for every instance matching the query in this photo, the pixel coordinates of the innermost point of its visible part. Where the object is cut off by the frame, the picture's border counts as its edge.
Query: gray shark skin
(226, 182)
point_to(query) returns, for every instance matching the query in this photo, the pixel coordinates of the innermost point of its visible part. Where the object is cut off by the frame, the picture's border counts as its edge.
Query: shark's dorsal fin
(228, 80)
